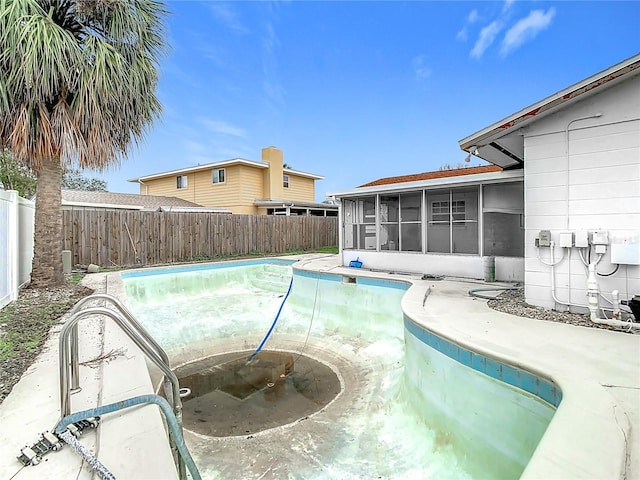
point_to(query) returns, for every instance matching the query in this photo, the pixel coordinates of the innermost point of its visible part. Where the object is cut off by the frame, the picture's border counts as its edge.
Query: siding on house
(583, 174)
(167, 187)
(300, 188)
(246, 182)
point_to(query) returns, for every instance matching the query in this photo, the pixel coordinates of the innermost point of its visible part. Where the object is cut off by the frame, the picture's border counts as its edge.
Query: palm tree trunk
(47, 245)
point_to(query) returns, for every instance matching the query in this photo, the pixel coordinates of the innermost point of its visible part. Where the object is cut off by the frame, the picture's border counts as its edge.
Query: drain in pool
(230, 396)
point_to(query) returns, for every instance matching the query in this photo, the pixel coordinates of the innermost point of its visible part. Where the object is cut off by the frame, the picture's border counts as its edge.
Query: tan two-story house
(264, 187)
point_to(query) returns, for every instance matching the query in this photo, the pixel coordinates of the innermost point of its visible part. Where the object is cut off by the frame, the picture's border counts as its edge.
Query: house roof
(221, 164)
(122, 200)
(501, 143)
(416, 177)
(275, 203)
(433, 180)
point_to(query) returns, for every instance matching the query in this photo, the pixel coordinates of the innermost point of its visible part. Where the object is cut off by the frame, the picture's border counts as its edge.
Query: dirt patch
(25, 325)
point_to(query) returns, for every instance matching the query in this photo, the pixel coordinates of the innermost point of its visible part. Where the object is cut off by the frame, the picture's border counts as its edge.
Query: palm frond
(78, 78)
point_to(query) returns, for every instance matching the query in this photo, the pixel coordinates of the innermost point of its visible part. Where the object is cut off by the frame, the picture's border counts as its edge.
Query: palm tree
(77, 90)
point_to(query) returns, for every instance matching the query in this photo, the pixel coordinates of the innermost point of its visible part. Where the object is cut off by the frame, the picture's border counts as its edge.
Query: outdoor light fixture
(472, 151)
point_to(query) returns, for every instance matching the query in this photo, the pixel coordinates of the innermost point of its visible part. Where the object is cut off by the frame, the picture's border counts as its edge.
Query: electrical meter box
(544, 238)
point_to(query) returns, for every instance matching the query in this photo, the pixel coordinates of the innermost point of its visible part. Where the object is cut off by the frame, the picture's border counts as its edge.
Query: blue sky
(357, 91)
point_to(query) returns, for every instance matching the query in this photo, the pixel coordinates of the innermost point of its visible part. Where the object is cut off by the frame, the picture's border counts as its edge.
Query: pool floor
(230, 395)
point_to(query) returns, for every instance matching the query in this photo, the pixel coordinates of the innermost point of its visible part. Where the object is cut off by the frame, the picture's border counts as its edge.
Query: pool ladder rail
(69, 381)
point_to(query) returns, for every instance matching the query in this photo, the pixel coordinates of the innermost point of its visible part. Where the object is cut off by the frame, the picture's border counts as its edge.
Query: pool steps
(272, 279)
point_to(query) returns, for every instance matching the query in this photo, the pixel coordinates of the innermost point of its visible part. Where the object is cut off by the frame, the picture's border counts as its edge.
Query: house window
(458, 211)
(285, 181)
(218, 176)
(440, 211)
(181, 182)
(453, 221)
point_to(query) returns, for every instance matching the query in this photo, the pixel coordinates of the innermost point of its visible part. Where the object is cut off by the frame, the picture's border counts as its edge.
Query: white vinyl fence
(16, 244)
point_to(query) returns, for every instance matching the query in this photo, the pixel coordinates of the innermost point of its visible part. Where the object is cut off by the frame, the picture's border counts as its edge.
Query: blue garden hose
(275, 320)
(131, 402)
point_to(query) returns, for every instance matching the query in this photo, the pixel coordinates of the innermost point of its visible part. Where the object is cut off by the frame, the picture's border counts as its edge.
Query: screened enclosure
(470, 220)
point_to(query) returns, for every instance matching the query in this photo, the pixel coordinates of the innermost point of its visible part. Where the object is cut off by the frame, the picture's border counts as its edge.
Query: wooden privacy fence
(129, 238)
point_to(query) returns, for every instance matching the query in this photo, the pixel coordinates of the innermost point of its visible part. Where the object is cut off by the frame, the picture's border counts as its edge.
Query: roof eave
(491, 177)
(268, 203)
(101, 205)
(302, 174)
(482, 139)
(207, 166)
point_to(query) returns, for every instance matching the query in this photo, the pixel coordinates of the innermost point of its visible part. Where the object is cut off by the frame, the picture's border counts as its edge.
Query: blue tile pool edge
(516, 377)
(204, 266)
(339, 277)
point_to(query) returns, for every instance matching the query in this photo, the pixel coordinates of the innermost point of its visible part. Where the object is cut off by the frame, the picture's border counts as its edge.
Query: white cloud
(419, 67)
(275, 92)
(486, 38)
(471, 19)
(227, 16)
(220, 127)
(507, 5)
(526, 29)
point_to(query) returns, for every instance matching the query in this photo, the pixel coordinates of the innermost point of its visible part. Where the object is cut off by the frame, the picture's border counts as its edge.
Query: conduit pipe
(552, 245)
(568, 158)
(593, 294)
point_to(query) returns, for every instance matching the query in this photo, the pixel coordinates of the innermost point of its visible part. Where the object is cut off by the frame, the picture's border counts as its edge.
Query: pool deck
(594, 434)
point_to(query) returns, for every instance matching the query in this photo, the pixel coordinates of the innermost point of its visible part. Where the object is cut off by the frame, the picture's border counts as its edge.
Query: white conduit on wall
(592, 293)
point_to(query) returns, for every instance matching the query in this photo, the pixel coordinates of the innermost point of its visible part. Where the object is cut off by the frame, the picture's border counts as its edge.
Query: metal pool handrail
(126, 314)
(140, 337)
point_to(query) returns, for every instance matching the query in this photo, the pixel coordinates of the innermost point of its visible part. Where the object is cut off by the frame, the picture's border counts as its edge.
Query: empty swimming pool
(396, 412)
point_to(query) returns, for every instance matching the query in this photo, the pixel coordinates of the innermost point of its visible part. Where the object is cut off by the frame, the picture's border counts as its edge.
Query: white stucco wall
(507, 269)
(583, 174)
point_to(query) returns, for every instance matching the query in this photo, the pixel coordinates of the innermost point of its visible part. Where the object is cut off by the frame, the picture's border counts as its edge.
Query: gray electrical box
(582, 239)
(600, 237)
(544, 238)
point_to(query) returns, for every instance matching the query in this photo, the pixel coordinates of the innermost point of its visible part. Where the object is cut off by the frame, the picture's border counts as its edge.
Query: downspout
(146, 187)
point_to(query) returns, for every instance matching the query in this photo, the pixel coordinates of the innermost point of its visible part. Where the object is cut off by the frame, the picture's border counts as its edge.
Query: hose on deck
(473, 291)
(93, 462)
(172, 423)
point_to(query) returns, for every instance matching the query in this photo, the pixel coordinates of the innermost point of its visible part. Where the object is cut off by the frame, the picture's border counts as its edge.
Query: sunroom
(466, 222)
